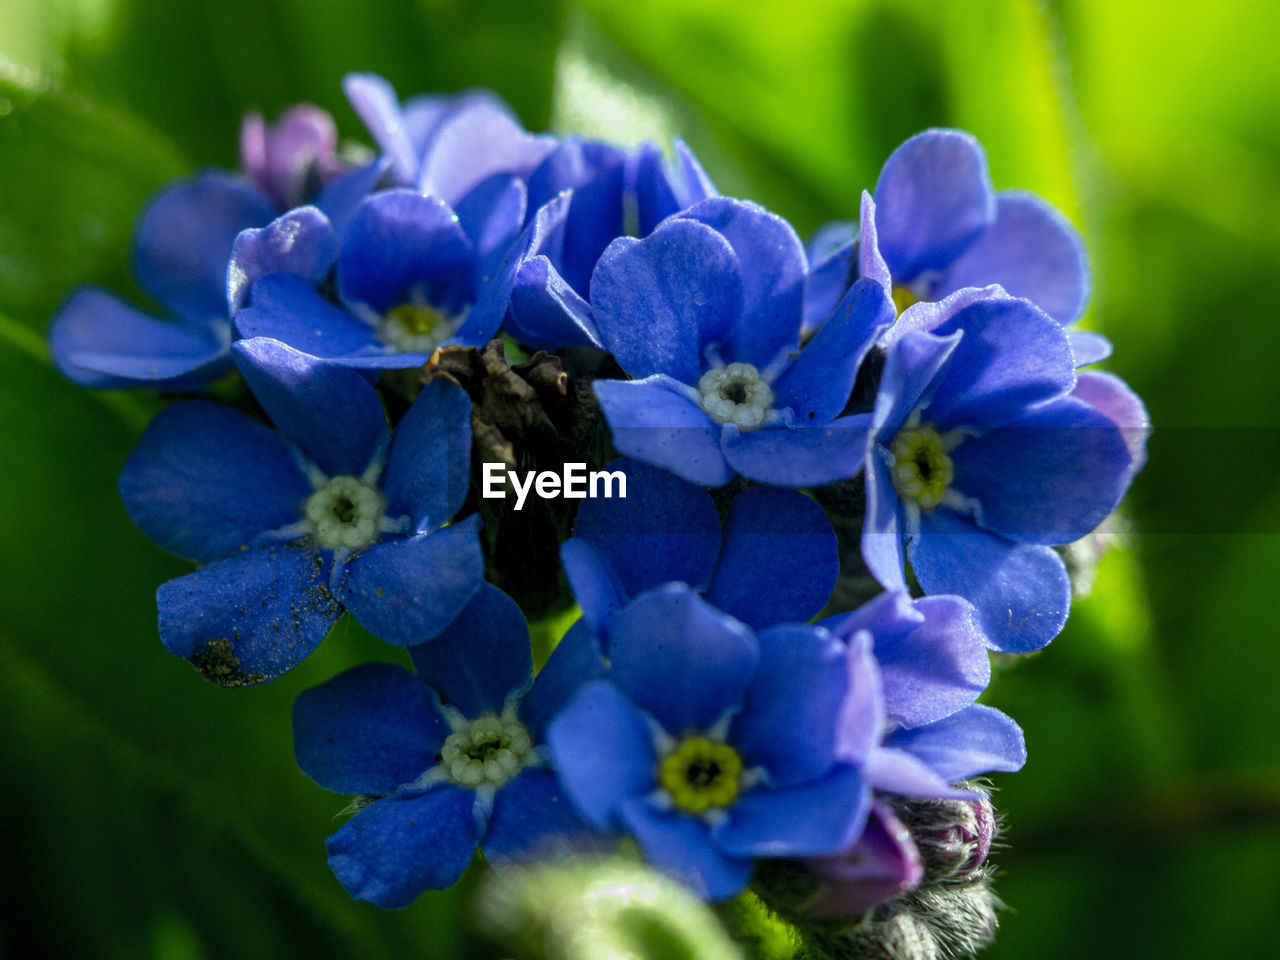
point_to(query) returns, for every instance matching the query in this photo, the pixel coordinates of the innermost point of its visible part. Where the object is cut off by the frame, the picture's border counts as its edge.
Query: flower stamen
(922, 471)
(490, 751)
(345, 513)
(735, 394)
(700, 774)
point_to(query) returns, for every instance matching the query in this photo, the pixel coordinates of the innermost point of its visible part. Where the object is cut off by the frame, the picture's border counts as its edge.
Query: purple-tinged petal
(1011, 355)
(1021, 591)
(817, 383)
(594, 583)
(289, 309)
(367, 731)
(340, 200)
(871, 263)
(430, 459)
(657, 422)
(771, 262)
(891, 770)
(933, 199)
(184, 239)
(575, 662)
(882, 526)
(860, 721)
(882, 864)
(533, 818)
(779, 561)
(473, 143)
(400, 245)
(1089, 347)
(681, 659)
(99, 341)
(300, 242)
(658, 301)
(394, 849)
(1031, 250)
(1050, 475)
(1114, 399)
(804, 820)
(284, 157)
(931, 669)
(251, 617)
(801, 456)
(375, 102)
(665, 529)
(331, 413)
(682, 847)
(602, 748)
(978, 739)
(205, 481)
(928, 316)
(788, 720)
(408, 591)
(481, 657)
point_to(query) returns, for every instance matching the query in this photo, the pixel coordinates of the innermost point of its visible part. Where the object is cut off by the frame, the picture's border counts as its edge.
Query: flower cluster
(913, 378)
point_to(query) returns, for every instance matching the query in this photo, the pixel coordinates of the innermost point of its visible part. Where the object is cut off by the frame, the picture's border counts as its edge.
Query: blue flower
(181, 247)
(774, 561)
(453, 755)
(715, 745)
(328, 512)
(986, 450)
(935, 226)
(706, 313)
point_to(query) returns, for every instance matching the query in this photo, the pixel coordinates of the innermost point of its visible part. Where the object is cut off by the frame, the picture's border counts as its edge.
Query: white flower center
(489, 751)
(735, 394)
(345, 513)
(417, 328)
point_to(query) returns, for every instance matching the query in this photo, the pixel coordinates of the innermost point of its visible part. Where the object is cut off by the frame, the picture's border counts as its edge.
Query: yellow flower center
(414, 328)
(903, 298)
(922, 471)
(700, 775)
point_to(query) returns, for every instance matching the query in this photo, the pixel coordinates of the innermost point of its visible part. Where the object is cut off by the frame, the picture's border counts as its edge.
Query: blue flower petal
(476, 141)
(679, 658)
(912, 368)
(602, 748)
(682, 847)
(400, 246)
(341, 198)
(657, 422)
(779, 561)
(658, 301)
(492, 216)
(251, 617)
(665, 529)
(375, 102)
(99, 341)
(817, 383)
(1031, 250)
(205, 481)
(882, 526)
(870, 261)
(788, 720)
(575, 662)
(1089, 347)
(331, 413)
(481, 657)
(1021, 591)
(806, 820)
(287, 308)
(933, 199)
(367, 731)
(771, 262)
(802, 456)
(860, 722)
(594, 583)
(533, 818)
(662, 189)
(184, 239)
(546, 312)
(897, 771)
(1115, 400)
(1050, 475)
(394, 849)
(408, 591)
(978, 739)
(300, 242)
(827, 283)
(430, 458)
(1010, 355)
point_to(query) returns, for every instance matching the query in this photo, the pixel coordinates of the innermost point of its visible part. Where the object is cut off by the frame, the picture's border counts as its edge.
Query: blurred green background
(147, 814)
